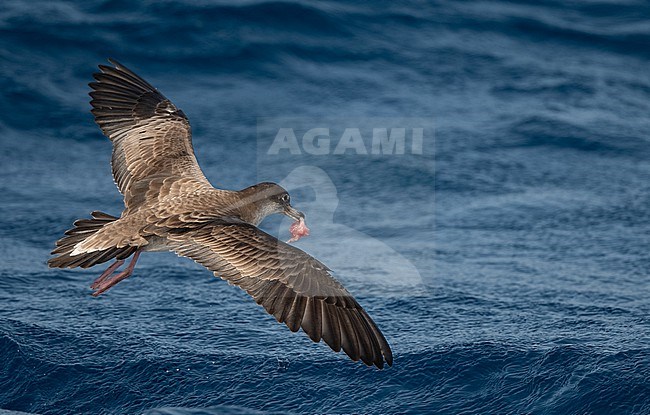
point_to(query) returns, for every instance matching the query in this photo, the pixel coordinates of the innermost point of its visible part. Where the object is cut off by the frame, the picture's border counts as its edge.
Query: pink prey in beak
(298, 229)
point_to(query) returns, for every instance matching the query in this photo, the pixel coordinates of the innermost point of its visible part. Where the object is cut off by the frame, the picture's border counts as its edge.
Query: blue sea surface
(506, 263)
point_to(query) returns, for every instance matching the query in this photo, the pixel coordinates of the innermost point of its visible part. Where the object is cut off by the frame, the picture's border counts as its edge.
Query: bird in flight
(169, 205)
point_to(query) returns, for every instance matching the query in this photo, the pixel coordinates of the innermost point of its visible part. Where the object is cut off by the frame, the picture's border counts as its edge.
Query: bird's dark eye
(285, 198)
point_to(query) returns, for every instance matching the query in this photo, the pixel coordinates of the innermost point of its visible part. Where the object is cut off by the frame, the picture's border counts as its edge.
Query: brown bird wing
(295, 288)
(151, 137)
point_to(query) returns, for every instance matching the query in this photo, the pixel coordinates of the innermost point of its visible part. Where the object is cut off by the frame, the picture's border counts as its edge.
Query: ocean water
(506, 262)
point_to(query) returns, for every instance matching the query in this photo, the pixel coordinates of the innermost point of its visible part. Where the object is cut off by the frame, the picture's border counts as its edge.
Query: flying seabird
(169, 205)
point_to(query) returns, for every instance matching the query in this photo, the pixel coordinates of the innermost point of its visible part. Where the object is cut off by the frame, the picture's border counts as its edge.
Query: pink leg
(104, 285)
(109, 271)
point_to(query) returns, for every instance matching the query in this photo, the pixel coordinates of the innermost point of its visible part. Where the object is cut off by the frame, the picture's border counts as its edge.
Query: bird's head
(264, 199)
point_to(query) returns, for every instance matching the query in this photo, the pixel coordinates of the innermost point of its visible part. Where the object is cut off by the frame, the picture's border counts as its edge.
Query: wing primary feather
(365, 351)
(129, 72)
(106, 84)
(383, 344)
(126, 77)
(348, 338)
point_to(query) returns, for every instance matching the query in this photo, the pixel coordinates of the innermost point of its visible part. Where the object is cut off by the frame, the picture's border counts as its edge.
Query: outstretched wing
(151, 137)
(294, 287)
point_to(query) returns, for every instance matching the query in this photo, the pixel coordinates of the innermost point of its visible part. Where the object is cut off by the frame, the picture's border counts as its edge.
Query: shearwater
(169, 205)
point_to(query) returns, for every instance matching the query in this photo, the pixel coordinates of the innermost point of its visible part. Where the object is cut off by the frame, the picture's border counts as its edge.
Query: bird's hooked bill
(293, 213)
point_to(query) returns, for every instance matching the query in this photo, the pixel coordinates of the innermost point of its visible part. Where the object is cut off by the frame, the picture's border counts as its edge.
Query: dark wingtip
(379, 362)
(116, 65)
(388, 354)
(104, 68)
(115, 62)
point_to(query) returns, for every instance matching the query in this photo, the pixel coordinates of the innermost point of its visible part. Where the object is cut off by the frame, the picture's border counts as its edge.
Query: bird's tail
(84, 228)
